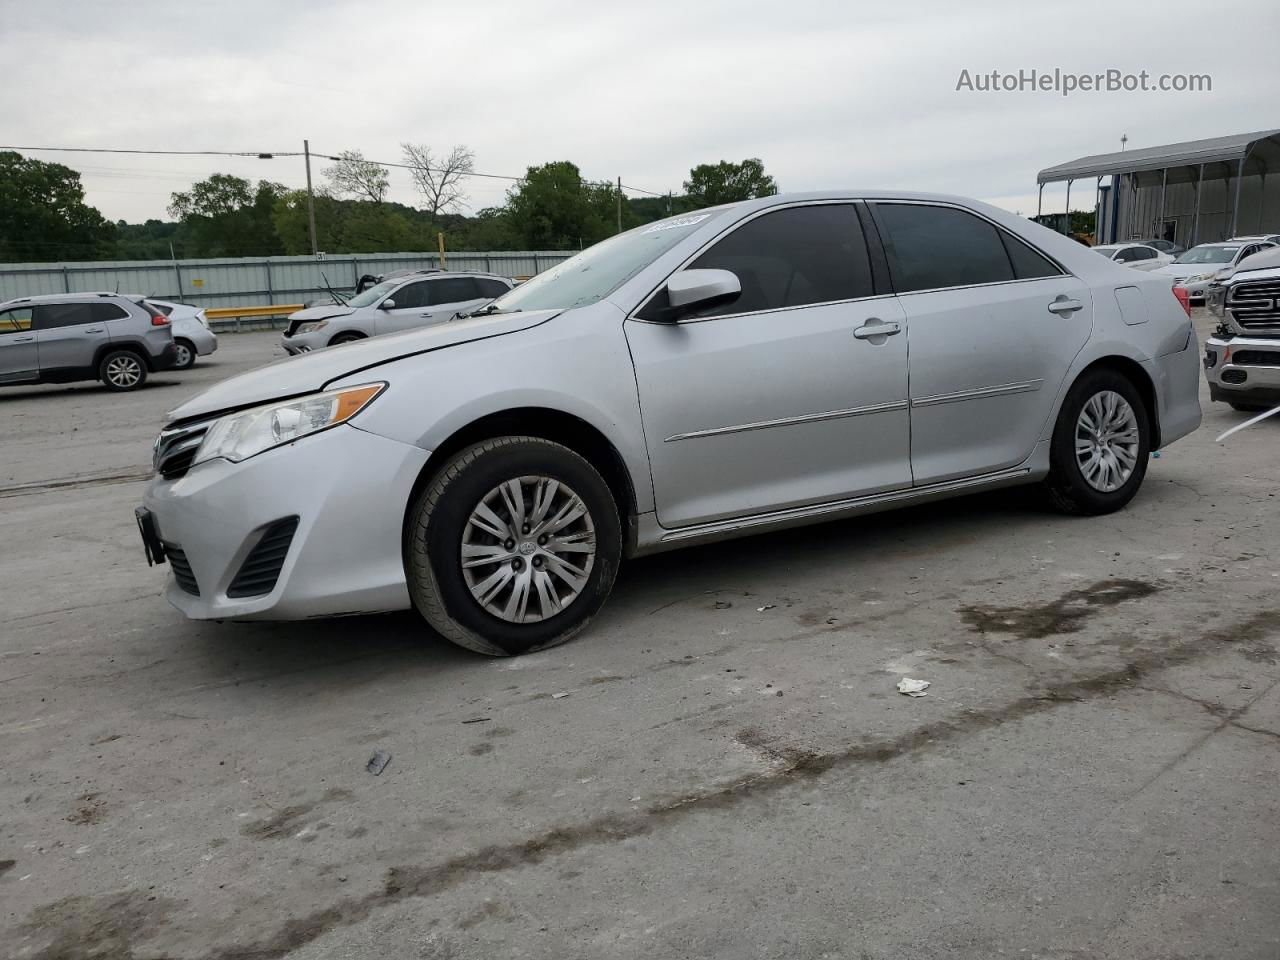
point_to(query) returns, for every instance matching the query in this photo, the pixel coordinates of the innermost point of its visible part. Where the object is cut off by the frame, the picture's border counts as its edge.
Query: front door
(994, 327)
(409, 312)
(19, 360)
(794, 393)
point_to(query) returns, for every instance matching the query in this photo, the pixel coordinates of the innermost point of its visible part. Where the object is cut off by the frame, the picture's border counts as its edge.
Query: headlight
(241, 435)
(1198, 277)
(311, 327)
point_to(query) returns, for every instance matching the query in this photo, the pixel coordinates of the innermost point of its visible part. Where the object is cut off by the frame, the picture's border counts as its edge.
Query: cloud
(826, 93)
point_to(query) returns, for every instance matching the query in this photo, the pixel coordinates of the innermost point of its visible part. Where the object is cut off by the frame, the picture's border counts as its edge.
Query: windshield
(374, 294)
(1209, 253)
(597, 271)
(1105, 251)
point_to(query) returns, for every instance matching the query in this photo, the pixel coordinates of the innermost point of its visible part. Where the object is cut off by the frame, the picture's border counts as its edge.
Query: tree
(553, 208)
(357, 177)
(347, 226)
(439, 181)
(225, 216)
(710, 184)
(43, 215)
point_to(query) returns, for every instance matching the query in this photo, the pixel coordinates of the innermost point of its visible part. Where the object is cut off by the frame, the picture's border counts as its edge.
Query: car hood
(310, 372)
(326, 311)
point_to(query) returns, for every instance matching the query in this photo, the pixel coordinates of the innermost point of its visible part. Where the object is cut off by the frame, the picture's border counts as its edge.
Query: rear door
(449, 296)
(19, 361)
(794, 393)
(69, 334)
(993, 324)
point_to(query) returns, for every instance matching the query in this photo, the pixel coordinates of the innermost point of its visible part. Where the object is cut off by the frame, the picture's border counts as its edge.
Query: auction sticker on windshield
(677, 223)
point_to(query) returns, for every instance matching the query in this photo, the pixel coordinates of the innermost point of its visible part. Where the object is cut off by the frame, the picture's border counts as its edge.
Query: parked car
(1137, 256)
(1242, 358)
(392, 306)
(191, 333)
(736, 370)
(1194, 269)
(1256, 237)
(62, 338)
(1164, 246)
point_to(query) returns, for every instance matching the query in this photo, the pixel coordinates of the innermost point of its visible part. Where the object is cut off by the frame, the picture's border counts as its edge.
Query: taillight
(159, 320)
(1183, 298)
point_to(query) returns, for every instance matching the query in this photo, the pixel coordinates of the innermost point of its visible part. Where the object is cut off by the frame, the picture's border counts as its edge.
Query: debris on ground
(378, 762)
(559, 696)
(913, 688)
(476, 720)
(722, 605)
(767, 606)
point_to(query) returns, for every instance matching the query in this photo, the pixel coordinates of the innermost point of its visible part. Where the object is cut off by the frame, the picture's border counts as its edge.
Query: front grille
(176, 447)
(261, 568)
(182, 572)
(1255, 304)
(1256, 358)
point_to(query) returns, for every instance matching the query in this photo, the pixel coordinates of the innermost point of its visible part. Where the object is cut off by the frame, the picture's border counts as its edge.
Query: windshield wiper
(489, 310)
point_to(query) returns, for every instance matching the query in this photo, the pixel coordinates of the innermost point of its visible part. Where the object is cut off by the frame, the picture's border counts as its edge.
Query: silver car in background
(192, 335)
(1135, 256)
(392, 306)
(1194, 270)
(744, 368)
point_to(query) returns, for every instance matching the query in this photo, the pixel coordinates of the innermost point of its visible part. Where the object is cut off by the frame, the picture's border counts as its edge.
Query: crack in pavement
(48, 486)
(791, 766)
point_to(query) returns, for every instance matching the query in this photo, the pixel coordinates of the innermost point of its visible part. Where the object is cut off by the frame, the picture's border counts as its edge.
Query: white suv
(392, 306)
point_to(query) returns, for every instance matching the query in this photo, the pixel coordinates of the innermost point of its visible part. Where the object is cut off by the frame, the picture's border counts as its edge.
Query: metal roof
(1190, 153)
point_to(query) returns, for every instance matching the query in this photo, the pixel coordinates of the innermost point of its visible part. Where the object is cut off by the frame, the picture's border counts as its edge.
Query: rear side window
(793, 257)
(452, 290)
(930, 247)
(108, 311)
(50, 316)
(164, 308)
(491, 288)
(1028, 263)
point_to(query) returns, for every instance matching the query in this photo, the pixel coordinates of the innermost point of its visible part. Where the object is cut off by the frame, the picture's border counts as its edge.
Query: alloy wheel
(527, 549)
(124, 371)
(1107, 441)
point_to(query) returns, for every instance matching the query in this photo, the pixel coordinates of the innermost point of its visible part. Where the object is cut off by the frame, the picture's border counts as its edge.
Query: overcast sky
(826, 93)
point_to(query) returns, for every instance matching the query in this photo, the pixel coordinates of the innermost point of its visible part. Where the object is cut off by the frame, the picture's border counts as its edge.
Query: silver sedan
(736, 370)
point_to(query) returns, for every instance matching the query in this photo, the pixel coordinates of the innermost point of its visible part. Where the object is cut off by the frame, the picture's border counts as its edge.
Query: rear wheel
(186, 355)
(122, 370)
(513, 547)
(1100, 446)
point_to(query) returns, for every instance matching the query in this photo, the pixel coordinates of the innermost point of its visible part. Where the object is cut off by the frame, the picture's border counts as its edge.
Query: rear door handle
(1064, 305)
(425, 315)
(91, 330)
(23, 339)
(877, 328)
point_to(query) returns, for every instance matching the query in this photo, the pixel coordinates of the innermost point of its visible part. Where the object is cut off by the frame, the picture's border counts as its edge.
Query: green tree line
(44, 217)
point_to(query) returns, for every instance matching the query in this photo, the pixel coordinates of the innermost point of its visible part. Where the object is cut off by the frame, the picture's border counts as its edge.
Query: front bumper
(302, 342)
(1195, 290)
(349, 490)
(1256, 380)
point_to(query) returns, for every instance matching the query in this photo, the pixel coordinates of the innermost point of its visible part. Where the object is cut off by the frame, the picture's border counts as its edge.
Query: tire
(441, 527)
(186, 355)
(1248, 407)
(122, 370)
(342, 338)
(1068, 487)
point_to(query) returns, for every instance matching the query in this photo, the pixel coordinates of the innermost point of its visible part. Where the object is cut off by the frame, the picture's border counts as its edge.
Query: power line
(272, 154)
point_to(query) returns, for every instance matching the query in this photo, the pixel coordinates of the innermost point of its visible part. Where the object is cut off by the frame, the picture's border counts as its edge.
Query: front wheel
(513, 547)
(1100, 446)
(122, 370)
(342, 338)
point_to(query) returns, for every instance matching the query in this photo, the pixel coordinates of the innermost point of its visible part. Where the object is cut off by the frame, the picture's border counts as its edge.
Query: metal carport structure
(1188, 192)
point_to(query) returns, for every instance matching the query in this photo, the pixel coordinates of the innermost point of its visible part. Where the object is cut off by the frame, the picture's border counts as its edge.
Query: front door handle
(425, 316)
(91, 330)
(23, 339)
(877, 330)
(1064, 305)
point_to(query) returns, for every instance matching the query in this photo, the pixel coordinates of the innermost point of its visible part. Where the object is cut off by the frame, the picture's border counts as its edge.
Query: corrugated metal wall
(1140, 208)
(250, 281)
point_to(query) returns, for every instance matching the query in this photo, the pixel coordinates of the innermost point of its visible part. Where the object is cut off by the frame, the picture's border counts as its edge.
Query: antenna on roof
(1124, 138)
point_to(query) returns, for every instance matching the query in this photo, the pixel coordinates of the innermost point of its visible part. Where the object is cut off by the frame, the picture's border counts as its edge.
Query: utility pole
(619, 204)
(668, 203)
(1124, 138)
(311, 200)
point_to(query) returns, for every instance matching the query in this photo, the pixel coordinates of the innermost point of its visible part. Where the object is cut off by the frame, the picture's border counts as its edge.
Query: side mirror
(690, 289)
(387, 305)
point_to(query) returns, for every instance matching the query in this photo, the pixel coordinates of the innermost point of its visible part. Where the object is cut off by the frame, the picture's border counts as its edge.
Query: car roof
(63, 297)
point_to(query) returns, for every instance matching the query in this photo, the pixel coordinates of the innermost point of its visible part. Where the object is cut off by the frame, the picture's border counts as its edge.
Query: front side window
(411, 295)
(50, 316)
(932, 247)
(451, 290)
(16, 320)
(793, 257)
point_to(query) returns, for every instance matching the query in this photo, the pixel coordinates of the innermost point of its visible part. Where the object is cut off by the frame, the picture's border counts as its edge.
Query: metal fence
(250, 281)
